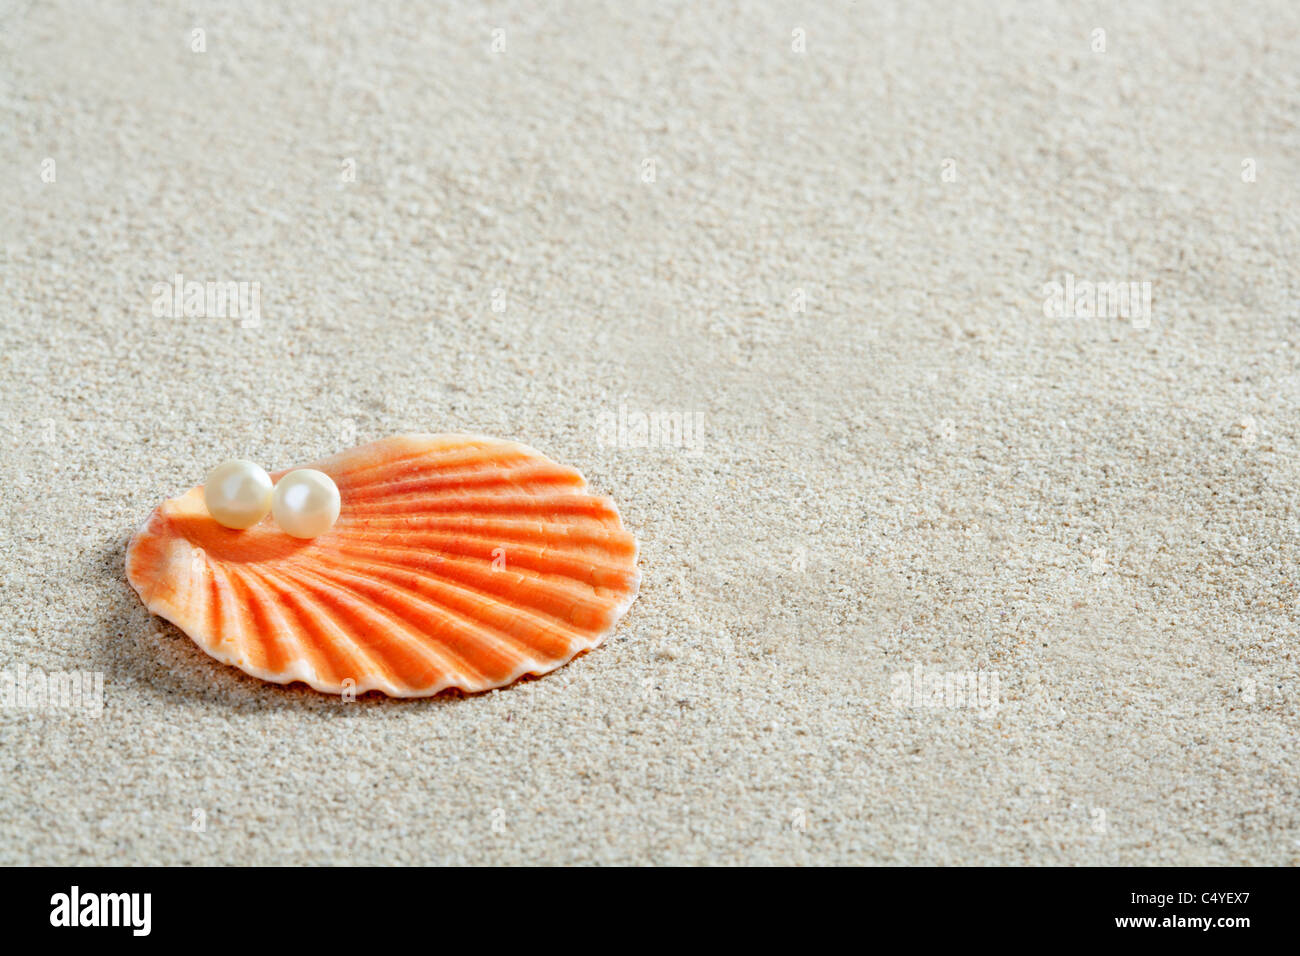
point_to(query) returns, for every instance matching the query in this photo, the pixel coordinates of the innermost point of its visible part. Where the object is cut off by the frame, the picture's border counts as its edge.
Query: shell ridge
(531, 471)
(232, 628)
(395, 635)
(576, 644)
(213, 607)
(454, 639)
(541, 622)
(284, 653)
(354, 654)
(612, 546)
(507, 528)
(342, 461)
(558, 485)
(441, 661)
(505, 644)
(515, 554)
(332, 660)
(576, 502)
(574, 595)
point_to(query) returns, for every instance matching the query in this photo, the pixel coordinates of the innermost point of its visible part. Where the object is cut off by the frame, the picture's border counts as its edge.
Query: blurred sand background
(827, 247)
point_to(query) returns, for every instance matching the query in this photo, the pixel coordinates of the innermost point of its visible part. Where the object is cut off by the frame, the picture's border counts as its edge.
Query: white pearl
(238, 494)
(306, 503)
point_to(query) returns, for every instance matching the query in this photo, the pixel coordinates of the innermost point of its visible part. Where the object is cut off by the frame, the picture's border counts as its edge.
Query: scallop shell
(457, 561)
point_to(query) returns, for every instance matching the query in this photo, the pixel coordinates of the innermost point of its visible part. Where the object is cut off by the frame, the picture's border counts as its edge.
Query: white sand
(919, 469)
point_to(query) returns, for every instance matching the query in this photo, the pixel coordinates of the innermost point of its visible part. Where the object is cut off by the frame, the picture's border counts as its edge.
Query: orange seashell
(457, 561)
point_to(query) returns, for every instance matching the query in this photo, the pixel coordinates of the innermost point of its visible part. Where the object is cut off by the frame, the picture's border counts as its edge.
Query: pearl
(305, 503)
(238, 494)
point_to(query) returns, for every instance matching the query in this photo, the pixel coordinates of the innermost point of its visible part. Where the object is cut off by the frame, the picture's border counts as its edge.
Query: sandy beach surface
(933, 573)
